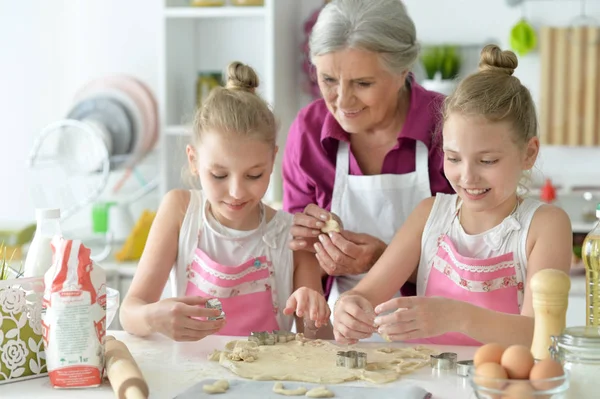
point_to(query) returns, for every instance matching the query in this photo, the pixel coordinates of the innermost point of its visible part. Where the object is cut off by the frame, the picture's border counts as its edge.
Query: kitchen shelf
(204, 40)
(214, 12)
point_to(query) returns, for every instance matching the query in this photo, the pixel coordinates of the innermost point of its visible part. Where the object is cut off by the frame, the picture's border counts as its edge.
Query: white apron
(376, 205)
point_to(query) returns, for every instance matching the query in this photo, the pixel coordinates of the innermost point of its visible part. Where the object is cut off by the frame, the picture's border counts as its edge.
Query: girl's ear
(192, 159)
(531, 152)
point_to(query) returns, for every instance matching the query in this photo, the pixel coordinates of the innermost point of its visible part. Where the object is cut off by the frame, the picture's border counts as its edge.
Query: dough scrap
(314, 361)
(320, 392)
(244, 351)
(214, 356)
(220, 386)
(331, 225)
(279, 389)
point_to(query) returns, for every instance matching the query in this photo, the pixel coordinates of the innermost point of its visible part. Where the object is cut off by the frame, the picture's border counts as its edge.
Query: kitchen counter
(171, 367)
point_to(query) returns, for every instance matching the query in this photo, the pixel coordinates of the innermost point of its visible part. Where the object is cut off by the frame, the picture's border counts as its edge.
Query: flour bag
(74, 317)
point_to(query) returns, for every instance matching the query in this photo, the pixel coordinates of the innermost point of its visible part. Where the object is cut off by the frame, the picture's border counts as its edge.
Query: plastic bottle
(590, 252)
(39, 255)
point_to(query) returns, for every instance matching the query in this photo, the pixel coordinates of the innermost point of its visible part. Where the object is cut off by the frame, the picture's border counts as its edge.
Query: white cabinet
(205, 39)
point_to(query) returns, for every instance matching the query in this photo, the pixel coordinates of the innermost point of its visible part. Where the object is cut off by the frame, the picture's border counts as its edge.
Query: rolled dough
(315, 361)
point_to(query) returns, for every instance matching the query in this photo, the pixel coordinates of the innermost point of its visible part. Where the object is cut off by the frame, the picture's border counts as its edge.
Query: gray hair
(380, 26)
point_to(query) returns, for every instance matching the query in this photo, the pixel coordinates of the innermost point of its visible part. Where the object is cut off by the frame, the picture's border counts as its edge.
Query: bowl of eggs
(512, 373)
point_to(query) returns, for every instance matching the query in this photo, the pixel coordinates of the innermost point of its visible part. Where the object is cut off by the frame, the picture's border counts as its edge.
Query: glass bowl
(112, 305)
(498, 388)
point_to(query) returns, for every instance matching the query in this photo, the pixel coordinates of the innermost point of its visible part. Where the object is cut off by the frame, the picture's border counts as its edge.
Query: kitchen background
(51, 49)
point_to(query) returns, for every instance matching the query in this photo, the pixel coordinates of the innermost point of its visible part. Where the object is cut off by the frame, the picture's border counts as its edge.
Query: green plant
(6, 271)
(443, 59)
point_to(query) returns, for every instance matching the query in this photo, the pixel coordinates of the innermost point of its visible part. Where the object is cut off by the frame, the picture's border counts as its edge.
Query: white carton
(74, 321)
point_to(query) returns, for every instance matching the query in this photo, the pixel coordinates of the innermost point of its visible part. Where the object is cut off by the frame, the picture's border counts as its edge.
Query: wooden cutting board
(570, 85)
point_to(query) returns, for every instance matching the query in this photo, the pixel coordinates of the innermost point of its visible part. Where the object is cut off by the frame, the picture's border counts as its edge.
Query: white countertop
(171, 367)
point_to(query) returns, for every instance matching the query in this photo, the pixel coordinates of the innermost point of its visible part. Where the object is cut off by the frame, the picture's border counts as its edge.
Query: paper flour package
(74, 320)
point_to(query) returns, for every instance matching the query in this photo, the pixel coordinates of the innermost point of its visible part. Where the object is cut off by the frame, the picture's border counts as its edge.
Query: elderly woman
(366, 151)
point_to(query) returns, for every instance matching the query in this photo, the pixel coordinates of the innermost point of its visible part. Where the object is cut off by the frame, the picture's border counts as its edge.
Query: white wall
(51, 48)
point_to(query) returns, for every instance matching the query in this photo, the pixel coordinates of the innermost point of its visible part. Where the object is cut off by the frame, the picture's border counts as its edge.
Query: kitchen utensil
(123, 372)
(264, 390)
(550, 296)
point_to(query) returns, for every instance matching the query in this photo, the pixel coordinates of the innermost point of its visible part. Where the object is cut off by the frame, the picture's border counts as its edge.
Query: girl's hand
(418, 317)
(307, 226)
(353, 319)
(308, 304)
(176, 318)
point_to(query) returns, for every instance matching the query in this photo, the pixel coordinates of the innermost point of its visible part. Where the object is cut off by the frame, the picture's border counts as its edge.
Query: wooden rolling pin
(123, 372)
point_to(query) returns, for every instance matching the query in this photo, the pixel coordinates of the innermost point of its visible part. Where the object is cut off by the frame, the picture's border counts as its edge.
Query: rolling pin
(123, 372)
(550, 298)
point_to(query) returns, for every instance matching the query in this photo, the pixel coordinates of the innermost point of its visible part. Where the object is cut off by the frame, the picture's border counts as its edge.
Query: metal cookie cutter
(214, 303)
(263, 338)
(444, 361)
(463, 366)
(351, 359)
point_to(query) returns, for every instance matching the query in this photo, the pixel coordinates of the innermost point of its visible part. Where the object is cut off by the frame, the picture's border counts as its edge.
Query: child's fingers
(290, 305)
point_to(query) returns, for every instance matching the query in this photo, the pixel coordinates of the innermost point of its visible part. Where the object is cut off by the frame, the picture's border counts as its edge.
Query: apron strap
(342, 169)
(422, 161)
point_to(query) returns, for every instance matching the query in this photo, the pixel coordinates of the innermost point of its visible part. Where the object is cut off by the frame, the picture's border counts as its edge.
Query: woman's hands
(177, 318)
(353, 319)
(418, 317)
(343, 253)
(308, 304)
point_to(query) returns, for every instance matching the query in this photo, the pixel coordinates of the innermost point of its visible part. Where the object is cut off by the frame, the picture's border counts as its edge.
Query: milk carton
(74, 321)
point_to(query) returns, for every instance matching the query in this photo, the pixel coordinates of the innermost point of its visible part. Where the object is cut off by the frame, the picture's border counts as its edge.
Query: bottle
(39, 255)
(548, 193)
(590, 252)
(550, 298)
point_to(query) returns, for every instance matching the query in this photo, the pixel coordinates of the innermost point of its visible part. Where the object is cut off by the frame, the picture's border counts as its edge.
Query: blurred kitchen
(131, 72)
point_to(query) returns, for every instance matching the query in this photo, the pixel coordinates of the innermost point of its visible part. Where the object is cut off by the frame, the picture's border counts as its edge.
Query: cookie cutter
(463, 367)
(284, 336)
(214, 303)
(351, 359)
(443, 361)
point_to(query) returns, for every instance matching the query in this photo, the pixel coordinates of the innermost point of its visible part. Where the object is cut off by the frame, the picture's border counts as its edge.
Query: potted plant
(442, 65)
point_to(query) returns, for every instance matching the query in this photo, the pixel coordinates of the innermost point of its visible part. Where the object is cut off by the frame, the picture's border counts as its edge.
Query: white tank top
(234, 247)
(508, 236)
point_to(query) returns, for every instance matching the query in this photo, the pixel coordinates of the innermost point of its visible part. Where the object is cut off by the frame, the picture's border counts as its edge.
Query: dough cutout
(279, 389)
(220, 386)
(320, 392)
(331, 225)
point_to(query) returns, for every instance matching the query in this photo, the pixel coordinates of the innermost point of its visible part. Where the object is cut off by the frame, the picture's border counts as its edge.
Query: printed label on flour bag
(74, 321)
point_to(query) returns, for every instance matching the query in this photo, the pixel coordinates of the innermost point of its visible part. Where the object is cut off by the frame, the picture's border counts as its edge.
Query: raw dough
(314, 361)
(278, 388)
(320, 392)
(220, 386)
(331, 225)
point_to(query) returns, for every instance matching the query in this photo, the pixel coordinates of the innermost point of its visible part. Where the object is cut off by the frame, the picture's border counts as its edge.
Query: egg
(517, 360)
(545, 369)
(488, 372)
(488, 353)
(519, 390)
